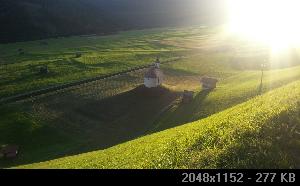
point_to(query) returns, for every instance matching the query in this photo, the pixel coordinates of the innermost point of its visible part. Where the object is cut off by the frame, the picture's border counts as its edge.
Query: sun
(273, 22)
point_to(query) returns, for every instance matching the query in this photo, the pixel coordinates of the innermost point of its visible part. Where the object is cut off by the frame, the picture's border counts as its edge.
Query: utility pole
(263, 65)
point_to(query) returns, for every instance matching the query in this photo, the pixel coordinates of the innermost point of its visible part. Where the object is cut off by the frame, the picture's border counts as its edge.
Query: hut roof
(209, 80)
(153, 73)
(9, 149)
(188, 93)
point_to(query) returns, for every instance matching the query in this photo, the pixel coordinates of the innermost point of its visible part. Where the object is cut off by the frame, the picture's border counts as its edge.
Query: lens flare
(273, 22)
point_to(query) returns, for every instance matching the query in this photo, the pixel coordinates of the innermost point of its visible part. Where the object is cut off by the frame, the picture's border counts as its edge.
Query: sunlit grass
(244, 136)
(237, 65)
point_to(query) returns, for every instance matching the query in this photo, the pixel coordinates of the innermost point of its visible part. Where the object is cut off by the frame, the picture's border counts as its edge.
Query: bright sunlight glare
(273, 22)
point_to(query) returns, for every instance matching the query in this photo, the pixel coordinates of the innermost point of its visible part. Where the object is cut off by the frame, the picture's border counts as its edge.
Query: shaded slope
(72, 124)
(36, 19)
(247, 135)
(87, 124)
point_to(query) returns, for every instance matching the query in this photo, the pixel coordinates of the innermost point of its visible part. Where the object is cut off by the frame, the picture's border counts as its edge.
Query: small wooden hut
(9, 151)
(208, 83)
(44, 70)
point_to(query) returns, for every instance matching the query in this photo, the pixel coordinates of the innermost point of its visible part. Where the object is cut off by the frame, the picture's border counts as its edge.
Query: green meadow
(240, 124)
(98, 55)
(256, 134)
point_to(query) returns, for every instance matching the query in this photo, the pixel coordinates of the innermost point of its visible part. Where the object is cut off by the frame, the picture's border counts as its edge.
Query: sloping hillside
(36, 19)
(262, 133)
(77, 122)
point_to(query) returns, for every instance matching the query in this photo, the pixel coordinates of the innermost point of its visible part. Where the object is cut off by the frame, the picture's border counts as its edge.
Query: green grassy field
(99, 55)
(232, 90)
(259, 133)
(232, 126)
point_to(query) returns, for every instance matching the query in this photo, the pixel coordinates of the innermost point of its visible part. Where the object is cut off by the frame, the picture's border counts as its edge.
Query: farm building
(9, 151)
(78, 55)
(21, 51)
(154, 76)
(44, 70)
(208, 83)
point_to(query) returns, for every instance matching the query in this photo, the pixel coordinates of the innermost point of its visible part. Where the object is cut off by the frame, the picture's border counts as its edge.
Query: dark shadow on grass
(84, 125)
(184, 113)
(87, 124)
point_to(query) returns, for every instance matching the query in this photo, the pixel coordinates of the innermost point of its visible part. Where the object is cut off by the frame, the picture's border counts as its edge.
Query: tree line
(23, 20)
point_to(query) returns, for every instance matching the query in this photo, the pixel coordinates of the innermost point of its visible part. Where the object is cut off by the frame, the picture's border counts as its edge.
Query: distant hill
(23, 20)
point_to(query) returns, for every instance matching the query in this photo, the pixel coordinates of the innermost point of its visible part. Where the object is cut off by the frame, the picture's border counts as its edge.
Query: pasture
(98, 55)
(116, 113)
(260, 133)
